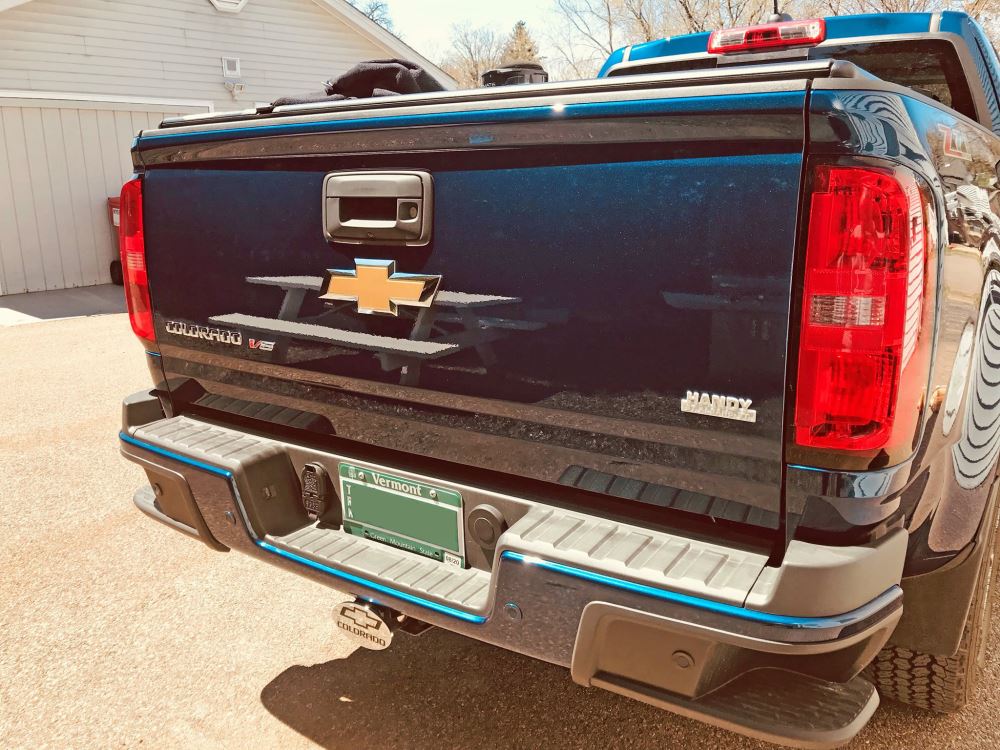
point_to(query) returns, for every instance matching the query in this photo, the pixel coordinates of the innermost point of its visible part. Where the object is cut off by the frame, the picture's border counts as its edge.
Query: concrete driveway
(115, 632)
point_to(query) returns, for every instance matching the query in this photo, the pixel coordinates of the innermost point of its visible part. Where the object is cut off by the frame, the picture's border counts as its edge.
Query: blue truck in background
(686, 378)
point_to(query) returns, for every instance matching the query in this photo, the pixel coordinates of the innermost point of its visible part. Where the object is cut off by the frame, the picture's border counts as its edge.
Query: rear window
(929, 66)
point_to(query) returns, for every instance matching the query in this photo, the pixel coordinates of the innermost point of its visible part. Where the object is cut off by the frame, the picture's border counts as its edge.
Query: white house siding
(174, 48)
(60, 158)
(59, 162)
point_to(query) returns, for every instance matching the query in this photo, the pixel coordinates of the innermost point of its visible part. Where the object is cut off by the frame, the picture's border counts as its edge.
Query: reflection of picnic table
(748, 316)
(428, 340)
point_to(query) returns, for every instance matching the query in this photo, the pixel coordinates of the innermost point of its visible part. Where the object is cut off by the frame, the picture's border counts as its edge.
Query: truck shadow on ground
(441, 690)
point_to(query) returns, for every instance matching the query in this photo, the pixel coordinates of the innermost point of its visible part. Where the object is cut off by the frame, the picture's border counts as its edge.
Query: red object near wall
(113, 207)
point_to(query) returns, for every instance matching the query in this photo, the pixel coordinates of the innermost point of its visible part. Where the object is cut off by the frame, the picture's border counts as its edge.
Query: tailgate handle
(378, 208)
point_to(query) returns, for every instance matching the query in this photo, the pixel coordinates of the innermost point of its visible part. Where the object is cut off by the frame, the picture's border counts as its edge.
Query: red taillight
(133, 255)
(767, 36)
(859, 383)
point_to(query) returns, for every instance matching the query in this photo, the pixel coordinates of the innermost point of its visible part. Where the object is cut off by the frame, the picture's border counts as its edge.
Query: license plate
(410, 515)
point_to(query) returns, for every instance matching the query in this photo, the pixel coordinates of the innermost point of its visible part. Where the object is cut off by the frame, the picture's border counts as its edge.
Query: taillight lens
(133, 254)
(767, 36)
(860, 377)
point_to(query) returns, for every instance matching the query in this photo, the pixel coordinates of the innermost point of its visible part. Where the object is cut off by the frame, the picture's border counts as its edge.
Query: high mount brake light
(861, 374)
(767, 36)
(133, 255)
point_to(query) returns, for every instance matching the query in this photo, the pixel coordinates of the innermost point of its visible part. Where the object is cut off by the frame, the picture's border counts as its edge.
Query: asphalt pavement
(116, 632)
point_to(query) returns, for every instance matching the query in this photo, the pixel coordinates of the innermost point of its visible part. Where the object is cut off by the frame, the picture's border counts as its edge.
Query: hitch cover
(366, 624)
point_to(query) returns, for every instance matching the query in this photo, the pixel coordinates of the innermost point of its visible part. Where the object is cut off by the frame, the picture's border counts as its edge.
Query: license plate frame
(407, 514)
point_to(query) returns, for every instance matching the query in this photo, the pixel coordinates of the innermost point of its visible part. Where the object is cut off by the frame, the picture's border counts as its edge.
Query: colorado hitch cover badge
(363, 625)
(715, 405)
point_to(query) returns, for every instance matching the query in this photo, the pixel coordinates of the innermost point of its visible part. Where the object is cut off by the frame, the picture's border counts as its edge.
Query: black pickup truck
(684, 378)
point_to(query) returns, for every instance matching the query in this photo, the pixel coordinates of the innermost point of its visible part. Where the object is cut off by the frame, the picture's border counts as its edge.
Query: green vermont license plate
(410, 515)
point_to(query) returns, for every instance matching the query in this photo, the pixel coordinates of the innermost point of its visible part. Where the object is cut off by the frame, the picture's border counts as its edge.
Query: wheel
(116, 273)
(936, 682)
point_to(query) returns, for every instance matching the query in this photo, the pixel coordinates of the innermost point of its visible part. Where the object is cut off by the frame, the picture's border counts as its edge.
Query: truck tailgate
(603, 302)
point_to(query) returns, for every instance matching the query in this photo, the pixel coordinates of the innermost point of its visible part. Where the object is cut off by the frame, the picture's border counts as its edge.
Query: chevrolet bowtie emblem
(378, 288)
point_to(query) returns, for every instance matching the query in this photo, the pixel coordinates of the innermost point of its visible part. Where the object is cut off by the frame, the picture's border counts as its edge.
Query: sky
(426, 24)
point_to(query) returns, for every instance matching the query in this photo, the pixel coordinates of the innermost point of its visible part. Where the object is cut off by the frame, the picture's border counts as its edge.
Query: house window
(229, 6)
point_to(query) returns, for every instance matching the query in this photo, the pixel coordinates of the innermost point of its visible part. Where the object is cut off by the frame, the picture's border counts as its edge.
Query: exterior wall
(62, 156)
(59, 162)
(173, 48)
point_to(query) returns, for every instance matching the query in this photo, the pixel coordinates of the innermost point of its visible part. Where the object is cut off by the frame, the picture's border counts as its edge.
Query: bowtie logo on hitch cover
(368, 625)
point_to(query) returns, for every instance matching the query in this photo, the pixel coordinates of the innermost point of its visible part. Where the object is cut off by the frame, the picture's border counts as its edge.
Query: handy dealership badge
(717, 405)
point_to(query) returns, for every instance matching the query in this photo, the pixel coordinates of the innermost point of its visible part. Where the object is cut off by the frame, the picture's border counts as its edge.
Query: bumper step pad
(655, 558)
(770, 704)
(462, 588)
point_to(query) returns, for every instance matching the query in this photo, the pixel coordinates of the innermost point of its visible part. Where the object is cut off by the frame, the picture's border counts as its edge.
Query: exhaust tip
(367, 625)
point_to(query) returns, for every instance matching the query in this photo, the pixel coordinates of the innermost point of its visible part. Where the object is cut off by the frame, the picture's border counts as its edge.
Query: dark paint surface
(636, 279)
(644, 278)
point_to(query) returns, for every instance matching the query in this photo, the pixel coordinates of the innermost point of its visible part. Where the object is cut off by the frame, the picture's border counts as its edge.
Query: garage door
(60, 160)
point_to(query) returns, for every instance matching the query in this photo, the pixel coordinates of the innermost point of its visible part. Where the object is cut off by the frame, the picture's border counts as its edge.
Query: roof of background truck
(837, 27)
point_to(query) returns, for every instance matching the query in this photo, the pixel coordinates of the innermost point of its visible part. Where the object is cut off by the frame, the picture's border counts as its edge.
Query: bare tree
(588, 31)
(646, 20)
(585, 32)
(377, 10)
(982, 9)
(474, 50)
(705, 15)
(978, 9)
(570, 60)
(594, 23)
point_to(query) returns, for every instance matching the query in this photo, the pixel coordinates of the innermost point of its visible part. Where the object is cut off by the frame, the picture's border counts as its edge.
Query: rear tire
(933, 681)
(117, 277)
